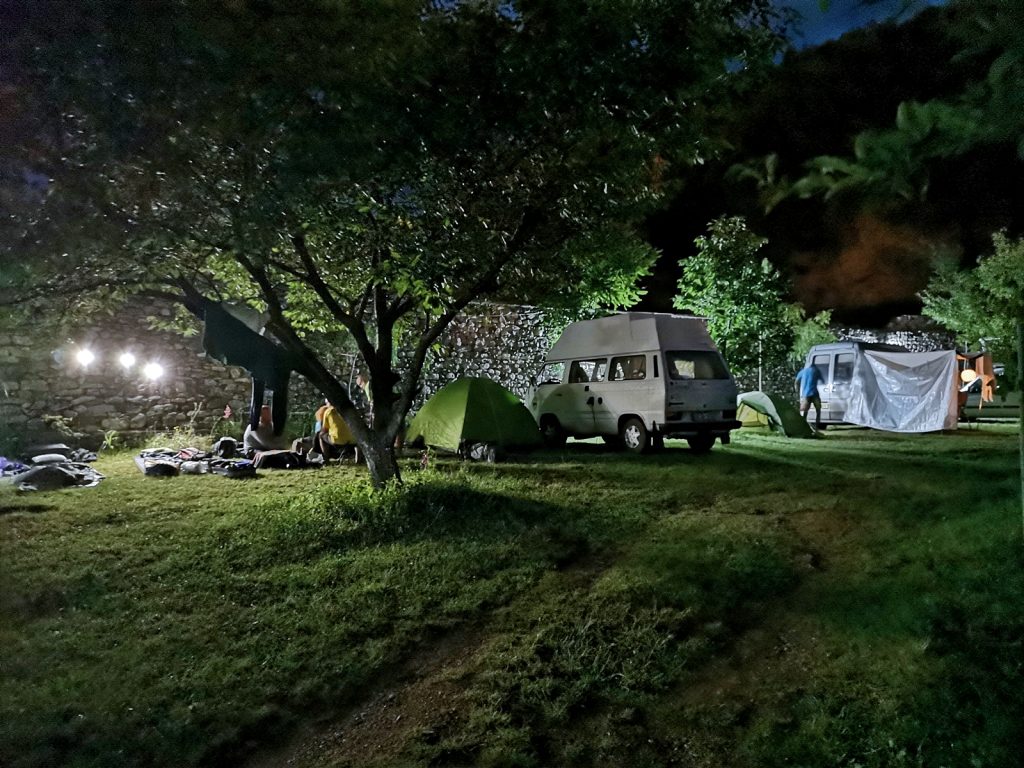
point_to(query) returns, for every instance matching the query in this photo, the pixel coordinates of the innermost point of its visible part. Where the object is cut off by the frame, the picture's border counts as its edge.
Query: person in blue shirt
(807, 382)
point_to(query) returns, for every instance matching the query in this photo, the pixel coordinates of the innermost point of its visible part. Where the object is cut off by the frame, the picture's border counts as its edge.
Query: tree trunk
(381, 461)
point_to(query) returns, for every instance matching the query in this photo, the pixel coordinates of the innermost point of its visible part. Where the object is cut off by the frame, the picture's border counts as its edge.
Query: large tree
(363, 166)
(896, 165)
(729, 282)
(985, 307)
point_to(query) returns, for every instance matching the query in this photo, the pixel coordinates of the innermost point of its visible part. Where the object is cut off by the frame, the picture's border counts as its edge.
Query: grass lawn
(849, 601)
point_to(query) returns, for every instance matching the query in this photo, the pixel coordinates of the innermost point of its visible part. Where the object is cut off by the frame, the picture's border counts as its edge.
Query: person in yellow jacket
(334, 432)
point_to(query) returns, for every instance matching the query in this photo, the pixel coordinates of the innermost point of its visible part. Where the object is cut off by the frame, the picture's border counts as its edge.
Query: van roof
(849, 345)
(629, 332)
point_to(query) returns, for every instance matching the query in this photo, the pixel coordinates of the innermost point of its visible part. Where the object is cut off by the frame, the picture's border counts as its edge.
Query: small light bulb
(85, 357)
(153, 371)
(127, 360)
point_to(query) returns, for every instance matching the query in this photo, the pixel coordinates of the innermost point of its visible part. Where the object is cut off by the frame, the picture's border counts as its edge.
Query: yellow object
(336, 428)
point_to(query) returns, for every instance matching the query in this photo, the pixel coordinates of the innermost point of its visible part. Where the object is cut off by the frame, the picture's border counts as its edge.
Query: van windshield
(695, 365)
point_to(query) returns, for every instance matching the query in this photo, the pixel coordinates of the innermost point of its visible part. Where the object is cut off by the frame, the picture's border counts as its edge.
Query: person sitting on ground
(311, 442)
(335, 436)
(262, 438)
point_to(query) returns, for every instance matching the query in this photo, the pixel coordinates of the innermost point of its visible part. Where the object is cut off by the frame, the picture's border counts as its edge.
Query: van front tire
(634, 435)
(551, 431)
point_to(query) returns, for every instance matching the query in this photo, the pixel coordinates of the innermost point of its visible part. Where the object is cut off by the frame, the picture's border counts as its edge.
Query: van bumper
(693, 429)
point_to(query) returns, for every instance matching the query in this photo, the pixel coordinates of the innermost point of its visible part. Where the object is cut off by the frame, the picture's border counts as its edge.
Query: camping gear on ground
(49, 458)
(636, 378)
(474, 410)
(759, 409)
(278, 460)
(225, 448)
(238, 469)
(885, 387)
(38, 450)
(9, 468)
(50, 477)
(157, 466)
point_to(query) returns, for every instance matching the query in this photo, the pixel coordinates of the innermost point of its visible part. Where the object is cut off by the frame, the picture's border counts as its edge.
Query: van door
(839, 386)
(823, 362)
(626, 391)
(583, 375)
(550, 396)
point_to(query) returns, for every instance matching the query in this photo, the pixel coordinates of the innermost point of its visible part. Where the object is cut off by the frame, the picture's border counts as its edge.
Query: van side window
(551, 373)
(821, 363)
(695, 365)
(587, 370)
(629, 368)
(844, 368)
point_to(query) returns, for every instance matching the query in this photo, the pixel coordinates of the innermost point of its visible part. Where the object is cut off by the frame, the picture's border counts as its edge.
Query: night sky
(819, 26)
(840, 256)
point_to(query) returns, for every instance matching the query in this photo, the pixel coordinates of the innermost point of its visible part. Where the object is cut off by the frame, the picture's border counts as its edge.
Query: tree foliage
(740, 293)
(366, 167)
(896, 164)
(984, 306)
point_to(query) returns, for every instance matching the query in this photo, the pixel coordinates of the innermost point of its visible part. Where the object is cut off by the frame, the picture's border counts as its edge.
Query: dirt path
(416, 699)
(423, 694)
(776, 658)
(409, 701)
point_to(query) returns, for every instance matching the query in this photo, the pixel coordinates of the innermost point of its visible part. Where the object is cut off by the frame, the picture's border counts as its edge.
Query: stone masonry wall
(41, 378)
(505, 343)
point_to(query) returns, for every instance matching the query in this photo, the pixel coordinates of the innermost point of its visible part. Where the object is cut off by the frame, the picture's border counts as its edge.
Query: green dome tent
(474, 410)
(758, 409)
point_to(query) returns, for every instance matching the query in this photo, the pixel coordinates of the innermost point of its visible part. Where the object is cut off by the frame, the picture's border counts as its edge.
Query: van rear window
(695, 365)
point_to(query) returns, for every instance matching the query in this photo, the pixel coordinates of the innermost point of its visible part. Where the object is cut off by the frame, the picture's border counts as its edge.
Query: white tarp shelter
(904, 391)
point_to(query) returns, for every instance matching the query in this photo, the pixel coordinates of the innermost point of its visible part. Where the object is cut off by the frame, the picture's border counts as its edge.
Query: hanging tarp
(904, 391)
(758, 409)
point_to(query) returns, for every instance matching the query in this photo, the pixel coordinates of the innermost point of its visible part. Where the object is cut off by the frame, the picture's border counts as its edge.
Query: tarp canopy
(758, 409)
(904, 391)
(474, 410)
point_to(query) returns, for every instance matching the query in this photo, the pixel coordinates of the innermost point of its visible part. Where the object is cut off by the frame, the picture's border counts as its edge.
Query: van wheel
(552, 432)
(634, 435)
(701, 443)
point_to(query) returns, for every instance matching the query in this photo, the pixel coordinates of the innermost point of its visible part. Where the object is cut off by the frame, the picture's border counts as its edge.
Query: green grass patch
(621, 601)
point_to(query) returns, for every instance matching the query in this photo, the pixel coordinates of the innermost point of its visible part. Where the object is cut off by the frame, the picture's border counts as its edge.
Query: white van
(835, 363)
(635, 378)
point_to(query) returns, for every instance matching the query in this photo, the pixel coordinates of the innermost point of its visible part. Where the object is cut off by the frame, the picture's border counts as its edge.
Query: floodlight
(85, 357)
(967, 375)
(127, 360)
(153, 371)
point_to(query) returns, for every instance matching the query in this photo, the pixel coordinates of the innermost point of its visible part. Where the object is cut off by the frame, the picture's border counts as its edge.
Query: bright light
(153, 371)
(127, 360)
(85, 357)
(967, 375)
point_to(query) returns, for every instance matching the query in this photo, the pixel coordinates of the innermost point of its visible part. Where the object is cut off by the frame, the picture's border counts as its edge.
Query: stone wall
(40, 377)
(47, 394)
(913, 332)
(505, 343)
